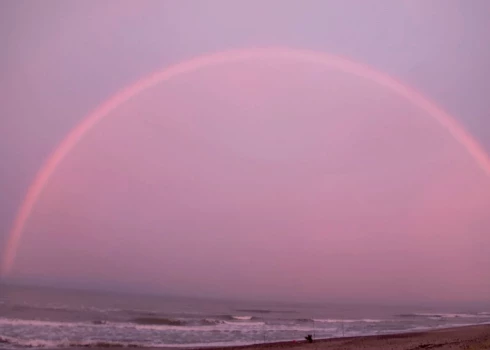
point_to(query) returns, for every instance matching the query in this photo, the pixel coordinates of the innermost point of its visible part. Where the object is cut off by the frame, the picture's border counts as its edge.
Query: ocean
(35, 317)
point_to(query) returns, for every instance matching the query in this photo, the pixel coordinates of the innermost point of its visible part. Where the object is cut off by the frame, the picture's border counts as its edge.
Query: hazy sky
(257, 178)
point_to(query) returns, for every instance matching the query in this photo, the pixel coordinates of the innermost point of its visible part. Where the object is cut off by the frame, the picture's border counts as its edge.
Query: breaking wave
(242, 318)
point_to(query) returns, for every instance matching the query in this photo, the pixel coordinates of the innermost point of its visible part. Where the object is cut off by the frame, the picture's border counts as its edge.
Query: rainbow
(268, 54)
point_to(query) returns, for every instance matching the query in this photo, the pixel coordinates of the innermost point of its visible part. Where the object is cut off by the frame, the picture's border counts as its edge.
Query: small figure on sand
(309, 338)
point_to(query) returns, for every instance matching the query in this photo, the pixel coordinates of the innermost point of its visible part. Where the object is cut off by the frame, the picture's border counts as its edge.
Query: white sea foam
(224, 326)
(242, 318)
(334, 320)
(65, 343)
(244, 324)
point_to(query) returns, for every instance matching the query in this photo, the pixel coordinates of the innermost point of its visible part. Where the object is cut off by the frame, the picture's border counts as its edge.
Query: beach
(50, 318)
(469, 337)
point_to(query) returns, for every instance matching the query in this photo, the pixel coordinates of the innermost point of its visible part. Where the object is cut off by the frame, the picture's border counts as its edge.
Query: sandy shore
(471, 338)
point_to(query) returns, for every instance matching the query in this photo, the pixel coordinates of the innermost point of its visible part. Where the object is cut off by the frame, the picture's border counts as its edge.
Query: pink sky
(266, 179)
(254, 179)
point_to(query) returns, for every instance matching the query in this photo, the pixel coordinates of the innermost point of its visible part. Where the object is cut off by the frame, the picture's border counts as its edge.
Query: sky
(259, 178)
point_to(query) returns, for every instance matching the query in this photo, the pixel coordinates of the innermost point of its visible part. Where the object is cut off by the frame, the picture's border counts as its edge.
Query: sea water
(38, 317)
